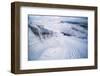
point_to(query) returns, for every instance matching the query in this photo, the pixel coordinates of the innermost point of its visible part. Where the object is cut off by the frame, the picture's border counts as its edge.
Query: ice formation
(55, 37)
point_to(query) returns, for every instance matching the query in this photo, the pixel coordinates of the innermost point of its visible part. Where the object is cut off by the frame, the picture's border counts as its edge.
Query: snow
(56, 45)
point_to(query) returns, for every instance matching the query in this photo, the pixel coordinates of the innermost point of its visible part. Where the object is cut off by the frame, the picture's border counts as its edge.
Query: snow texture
(57, 37)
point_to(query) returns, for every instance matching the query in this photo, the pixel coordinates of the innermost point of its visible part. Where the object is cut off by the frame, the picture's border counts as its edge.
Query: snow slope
(61, 40)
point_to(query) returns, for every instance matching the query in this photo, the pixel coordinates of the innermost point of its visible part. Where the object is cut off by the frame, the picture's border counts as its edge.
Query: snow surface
(56, 37)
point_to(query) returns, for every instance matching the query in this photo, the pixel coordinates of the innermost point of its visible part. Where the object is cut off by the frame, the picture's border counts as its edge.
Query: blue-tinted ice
(57, 37)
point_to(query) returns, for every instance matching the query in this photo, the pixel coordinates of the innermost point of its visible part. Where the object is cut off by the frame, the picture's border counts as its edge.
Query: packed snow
(56, 37)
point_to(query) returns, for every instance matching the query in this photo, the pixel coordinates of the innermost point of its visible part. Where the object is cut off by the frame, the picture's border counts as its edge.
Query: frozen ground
(62, 38)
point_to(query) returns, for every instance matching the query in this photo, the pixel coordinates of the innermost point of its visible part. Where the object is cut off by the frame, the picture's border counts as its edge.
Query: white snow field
(54, 37)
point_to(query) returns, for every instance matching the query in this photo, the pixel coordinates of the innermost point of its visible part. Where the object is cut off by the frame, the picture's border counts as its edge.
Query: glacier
(56, 37)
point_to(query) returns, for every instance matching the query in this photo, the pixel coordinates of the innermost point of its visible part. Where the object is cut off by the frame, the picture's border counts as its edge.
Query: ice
(50, 39)
(64, 48)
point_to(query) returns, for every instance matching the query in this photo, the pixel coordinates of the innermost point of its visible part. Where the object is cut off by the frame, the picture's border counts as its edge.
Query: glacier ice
(57, 37)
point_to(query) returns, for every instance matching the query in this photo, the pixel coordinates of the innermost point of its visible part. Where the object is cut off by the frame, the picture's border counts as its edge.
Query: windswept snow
(55, 37)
